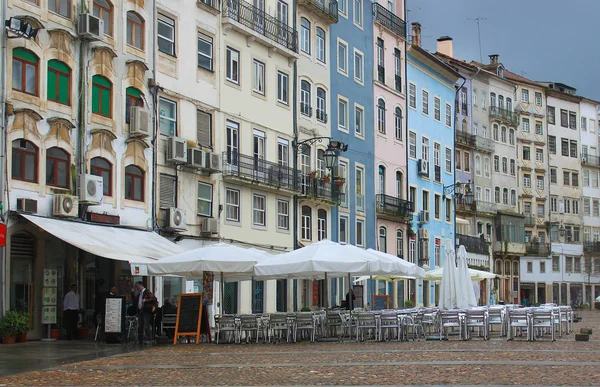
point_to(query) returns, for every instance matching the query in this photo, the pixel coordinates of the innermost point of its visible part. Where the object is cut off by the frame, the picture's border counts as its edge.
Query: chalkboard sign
(190, 313)
(380, 302)
(114, 314)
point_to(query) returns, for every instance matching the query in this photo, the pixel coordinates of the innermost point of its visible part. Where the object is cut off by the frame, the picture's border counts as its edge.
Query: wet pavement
(452, 362)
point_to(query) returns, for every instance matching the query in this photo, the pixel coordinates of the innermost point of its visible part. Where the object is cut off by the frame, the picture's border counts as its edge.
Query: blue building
(352, 107)
(431, 99)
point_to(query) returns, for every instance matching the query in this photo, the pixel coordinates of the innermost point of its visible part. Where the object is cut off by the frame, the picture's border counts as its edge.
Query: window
(412, 145)
(321, 105)
(168, 191)
(564, 118)
(572, 120)
(555, 263)
(305, 107)
(448, 160)
(437, 255)
(381, 115)
(437, 206)
(399, 185)
(538, 98)
(342, 57)
(305, 35)
(283, 214)
(575, 179)
(540, 182)
(381, 179)
(397, 71)
(101, 96)
(425, 203)
(343, 230)
(343, 6)
(425, 148)
(505, 196)
(307, 223)
(541, 210)
(467, 161)
(358, 12)
(259, 210)
(133, 97)
(359, 120)
(512, 167)
(24, 161)
(596, 207)
(282, 87)
(166, 35)
(360, 232)
(343, 114)
(135, 30)
(344, 195)
(525, 125)
(584, 124)
(539, 130)
(382, 239)
(168, 117)
(58, 171)
(134, 183)
(448, 115)
(587, 209)
(486, 166)
(104, 10)
(320, 45)
(483, 100)
(566, 178)
(551, 115)
(205, 52)
(539, 155)
(496, 164)
(552, 144)
(398, 123)
(232, 205)
(575, 206)
(425, 102)
(525, 95)
(59, 82)
(412, 197)
(595, 179)
(412, 98)
(495, 132)
(527, 180)
(232, 72)
(504, 165)
(573, 152)
(477, 165)
(436, 108)
(25, 71)
(458, 159)
(204, 199)
(358, 67)
(553, 176)
(258, 79)
(61, 7)
(399, 244)
(101, 167)
(321, 224)
(564, 147)
(360, 189)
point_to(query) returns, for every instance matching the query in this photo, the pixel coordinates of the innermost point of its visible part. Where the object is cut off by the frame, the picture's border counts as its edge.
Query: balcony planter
(339, 182)
(326, 179)
(312, 175)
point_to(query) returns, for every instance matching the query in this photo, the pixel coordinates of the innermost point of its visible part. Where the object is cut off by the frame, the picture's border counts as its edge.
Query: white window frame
(425, 102)
(283, 215)
(283, 80)
(257, 211)
(283, 148)
(321, 46)
(233, 205)
(412, 144)
(448, 115)
(206, 200)
(232, 77)
(412, 95)
(342, 66)
(209, 41)
(360, 243)
(359, 75)
(437, 107)
(343, 127)
(448, 160)
(346, 220)
(359, 125)
(168, 22)
(357, 10)
(162, 117)
(258, 74)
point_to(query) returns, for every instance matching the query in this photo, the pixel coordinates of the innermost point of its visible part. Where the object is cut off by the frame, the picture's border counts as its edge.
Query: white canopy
(388, 278)
(476, 275)
(465, 295)
(411, 270)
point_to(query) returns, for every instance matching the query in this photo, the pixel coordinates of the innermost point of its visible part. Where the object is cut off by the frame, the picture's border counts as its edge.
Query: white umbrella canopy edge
(408, 269)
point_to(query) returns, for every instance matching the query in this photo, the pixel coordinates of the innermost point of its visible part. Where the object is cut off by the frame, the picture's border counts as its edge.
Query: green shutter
(51, 85)
(105, 103)
(100, 80)
(22, 53)
(95, 99)
(60, 66)
(63, 89)
(132, 91)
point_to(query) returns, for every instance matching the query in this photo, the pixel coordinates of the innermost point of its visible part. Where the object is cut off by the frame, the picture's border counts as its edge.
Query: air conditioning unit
(212, 161)
(175, 219)
(210, 226)
(140, 121)
(91, 189)
(27, 205)
(65, 205)
(338, 172)
(195, 158)
(424, 216)
(424, 251)
(176, 150)
(423, 233)
(423, 167)
(90, 27)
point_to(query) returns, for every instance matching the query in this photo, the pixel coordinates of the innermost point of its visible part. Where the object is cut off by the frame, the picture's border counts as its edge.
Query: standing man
(71, 312)
(144, 315)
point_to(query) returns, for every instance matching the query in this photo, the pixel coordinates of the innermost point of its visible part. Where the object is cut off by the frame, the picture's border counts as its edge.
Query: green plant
(305, 309)
(14, 323)
(408, 304)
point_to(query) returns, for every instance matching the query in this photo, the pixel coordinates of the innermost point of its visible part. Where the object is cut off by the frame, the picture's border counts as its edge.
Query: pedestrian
(350, 297)
(146, 305)
(71, 312)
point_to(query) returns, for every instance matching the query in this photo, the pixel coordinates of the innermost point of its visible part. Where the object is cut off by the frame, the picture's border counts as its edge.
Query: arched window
(497, 195)
(511, 136)
(398, 118)
(306, 223)
(505, 196)
(513, 197)
(492, 100)
(498, 268)
(321, 224)
(101, 96)
(495, 132)
(381, 115)
(509, 104)
(135, 30)
(381, 179)
(478, 164)
(383, 239)
(101, 167)
(507, 268)
(463, 126)
(24, 161)
(503, 131)
(103, 9)
(59, 82)
(501, 101)
(133, 97)
(305, 35)
(25, 72)
(321, 45)
(321, 104)
(399, 243)
(58, 171)
(305, 98)
(134, 183)
(515, 268)
(399, 185)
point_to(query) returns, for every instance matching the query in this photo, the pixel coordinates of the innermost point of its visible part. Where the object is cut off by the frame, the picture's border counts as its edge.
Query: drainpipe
(295, 159)
(154, 115)
(80, 167)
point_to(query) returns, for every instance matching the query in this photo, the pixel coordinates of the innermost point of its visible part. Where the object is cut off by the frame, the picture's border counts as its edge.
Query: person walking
(146, 303)
(71, 312)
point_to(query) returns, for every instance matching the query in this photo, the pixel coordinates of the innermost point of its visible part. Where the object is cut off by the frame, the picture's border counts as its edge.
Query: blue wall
(426, 75)
(360, 150)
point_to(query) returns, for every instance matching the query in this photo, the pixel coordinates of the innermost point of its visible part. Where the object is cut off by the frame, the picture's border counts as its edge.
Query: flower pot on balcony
(339, 182)
(8, 339)
(312, 175)
(326, 179)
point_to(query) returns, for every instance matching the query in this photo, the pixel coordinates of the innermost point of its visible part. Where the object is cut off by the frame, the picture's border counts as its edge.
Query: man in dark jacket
(350, 297)
(146, 303)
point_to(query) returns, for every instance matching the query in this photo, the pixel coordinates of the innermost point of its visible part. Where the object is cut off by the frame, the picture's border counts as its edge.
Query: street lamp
(561, 230)
(330, 157)
(469, 197)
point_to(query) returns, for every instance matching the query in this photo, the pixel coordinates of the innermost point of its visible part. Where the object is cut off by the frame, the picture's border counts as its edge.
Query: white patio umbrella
(476, 275)
(411, 270)
(388, 278)
(448, 292)
(465, 295)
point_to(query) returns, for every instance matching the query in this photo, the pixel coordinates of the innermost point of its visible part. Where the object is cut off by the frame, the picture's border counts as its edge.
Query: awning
(117, 243)
(462, 221)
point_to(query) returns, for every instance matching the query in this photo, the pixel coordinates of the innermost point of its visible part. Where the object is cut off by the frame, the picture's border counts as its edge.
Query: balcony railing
(316, 187)
(380, 74)
(474, 244)
(465, 139)
(262, 23)
(321, 115)
(388, 20)
(502, 114)
(590, 160)
(591, 247)
(305, 109)
(259, 170)
(541, 249)
(393, 206)
(326, 8)
(485, 207)
(398, 83)
(484, 144)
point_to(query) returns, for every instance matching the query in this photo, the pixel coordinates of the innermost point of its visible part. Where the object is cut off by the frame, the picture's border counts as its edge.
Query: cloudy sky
(543, 40)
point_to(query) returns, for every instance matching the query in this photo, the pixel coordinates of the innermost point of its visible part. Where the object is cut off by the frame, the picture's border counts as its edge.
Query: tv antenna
(478, 19)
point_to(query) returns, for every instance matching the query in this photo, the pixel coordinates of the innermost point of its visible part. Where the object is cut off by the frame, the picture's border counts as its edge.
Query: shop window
(24, 161)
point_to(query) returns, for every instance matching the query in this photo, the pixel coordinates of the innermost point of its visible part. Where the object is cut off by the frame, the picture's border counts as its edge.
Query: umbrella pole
(372, 286)
(222, 295)
(350, 300)
(325, 292)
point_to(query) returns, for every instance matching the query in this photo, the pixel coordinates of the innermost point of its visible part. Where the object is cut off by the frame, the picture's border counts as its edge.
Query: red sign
(103, 218)
(2, 234)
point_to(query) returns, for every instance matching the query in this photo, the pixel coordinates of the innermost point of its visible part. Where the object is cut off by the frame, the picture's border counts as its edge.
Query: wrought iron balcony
(463, 207)
(393, 206)
(465, 139)
(321, 115)
(504, 115)
(590, 160)
(305, 109)
(388, 20)
(318, 188)
(256, 170)
(541, 249)
(591, 247)
(381, 74)
(484, 144)
(328, 9)
(248, 19)
(474, 244)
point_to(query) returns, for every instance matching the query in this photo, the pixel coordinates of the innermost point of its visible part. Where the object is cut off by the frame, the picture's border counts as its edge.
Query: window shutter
(203, 128)
(52, 85)
(168, 189)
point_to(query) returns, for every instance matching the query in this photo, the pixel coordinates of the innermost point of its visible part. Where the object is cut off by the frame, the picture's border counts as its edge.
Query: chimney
(444, 46)
(416, 34)
(494, 58)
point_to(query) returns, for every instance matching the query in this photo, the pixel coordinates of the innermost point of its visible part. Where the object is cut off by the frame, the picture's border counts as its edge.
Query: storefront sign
(192, 318)
(49, 315)
(2, 234)
(113, 315)
(139, 269)
(103, 218)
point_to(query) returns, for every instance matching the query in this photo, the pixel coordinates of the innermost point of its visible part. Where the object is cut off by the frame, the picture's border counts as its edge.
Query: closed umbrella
(448, 292)
(464, 287)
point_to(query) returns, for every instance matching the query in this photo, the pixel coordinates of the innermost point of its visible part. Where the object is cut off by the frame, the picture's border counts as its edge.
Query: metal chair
(450, 320)
(278, 323)
(248, 325)
(389, 322)
(366, 321)
(306, 322)
(519, 319)
(543, 320)
(226, 325)
(497, 316)
(477, 318)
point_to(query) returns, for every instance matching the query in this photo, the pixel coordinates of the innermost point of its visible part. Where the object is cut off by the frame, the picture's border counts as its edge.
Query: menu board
(50, 295)
(113, 314)
(192, 317)
(49, 315)
(380, 302)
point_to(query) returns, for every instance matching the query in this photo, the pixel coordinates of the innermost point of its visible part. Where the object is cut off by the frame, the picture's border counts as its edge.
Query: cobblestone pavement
(475, 362)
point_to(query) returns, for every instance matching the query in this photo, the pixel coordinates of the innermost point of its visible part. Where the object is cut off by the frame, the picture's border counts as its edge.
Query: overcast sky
(543, 40)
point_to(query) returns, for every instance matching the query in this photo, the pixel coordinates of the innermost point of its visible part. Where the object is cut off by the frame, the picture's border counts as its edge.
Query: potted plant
(23, 326)
(312, 174)
(408, 304)
(339, 182)
(326, 178)
(12, 325)
(84, 330)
